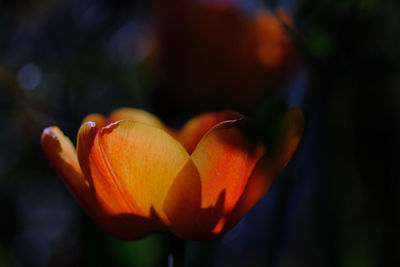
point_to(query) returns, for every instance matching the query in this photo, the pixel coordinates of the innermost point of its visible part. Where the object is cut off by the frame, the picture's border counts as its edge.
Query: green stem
(177, 252)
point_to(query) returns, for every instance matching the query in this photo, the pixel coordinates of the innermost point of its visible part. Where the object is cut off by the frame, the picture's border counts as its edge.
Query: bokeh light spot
(29, 76)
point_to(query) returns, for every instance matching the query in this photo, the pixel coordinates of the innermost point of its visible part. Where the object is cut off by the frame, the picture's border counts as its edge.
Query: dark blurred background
(337, 202)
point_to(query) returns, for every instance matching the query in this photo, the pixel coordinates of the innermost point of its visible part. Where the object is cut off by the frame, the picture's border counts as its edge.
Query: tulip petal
(62, 156)
(208, 188)
(197, 127)
(183, 207)
(114, 218)
(183, 202)
(86, 135)
(142, 162)
(99, 119)
(225, 158)
(270, 166)
(138, 115)
(107, 188)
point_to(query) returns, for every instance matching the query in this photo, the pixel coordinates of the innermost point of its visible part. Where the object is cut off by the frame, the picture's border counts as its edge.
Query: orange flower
(214, 52)
(133, 175)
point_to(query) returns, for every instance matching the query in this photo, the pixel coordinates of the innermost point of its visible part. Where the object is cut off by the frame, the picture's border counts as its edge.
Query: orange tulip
(133, 175)
(216, 54)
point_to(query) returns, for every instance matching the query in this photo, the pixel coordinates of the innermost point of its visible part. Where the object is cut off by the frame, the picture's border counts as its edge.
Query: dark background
(337, 202)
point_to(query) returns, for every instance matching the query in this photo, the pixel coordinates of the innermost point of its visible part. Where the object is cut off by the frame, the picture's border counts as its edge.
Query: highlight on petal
(270, 166)
(191, 133)
(137, 164)
(221, 164)
(99, 119)
(138, 115)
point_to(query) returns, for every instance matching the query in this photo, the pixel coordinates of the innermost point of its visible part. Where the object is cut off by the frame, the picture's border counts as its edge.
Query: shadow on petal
(129, 227)
(111, 216)
(270, 165)
(183, 207)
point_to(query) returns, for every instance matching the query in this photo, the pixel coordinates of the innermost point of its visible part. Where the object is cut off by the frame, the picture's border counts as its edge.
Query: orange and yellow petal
(86, 135)
(117, 220)
(221, 164)
(138, 115)
(225, 158)
(191, 133)
(62, 156)
(138, 163)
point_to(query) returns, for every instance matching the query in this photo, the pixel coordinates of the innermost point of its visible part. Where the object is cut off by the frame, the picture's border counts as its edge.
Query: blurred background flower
(337, 202)
(212, 55)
